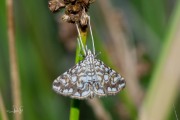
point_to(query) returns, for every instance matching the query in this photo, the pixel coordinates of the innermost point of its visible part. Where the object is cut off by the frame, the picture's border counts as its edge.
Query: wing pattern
(87, 79)
(108, 82)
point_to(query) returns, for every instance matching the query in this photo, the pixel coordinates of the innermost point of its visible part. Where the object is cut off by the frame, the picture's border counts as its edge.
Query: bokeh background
(138, 38)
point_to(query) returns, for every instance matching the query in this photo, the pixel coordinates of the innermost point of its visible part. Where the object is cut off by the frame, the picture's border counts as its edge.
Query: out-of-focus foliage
(42, 56)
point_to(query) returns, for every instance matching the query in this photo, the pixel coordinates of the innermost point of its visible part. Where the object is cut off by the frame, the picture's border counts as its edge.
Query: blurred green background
(133, 36)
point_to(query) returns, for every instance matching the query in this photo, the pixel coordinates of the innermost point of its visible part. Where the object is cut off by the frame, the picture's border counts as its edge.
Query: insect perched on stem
(89, 78)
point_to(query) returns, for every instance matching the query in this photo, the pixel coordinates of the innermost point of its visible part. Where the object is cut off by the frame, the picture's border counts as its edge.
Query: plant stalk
(75, 104)
(165, 81)
(3, 114)
(15, 81)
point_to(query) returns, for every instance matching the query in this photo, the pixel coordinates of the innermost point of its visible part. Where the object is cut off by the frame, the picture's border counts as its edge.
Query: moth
(89, 78)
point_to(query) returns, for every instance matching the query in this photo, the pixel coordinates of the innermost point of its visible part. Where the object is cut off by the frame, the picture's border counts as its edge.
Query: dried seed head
(69, 1)
(84, 18)
(75, 10)
(72, 1)
(71, 18)
(74, 18)
(91, 1)
(66, 18)
(55, 5)
(87, 2)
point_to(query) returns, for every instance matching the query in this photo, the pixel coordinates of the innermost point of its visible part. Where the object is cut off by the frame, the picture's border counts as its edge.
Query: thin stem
(15, 81)
(98, 109)
(175, 112)
(74, 110)
(2, 109)
(123, 58)
(165, 79)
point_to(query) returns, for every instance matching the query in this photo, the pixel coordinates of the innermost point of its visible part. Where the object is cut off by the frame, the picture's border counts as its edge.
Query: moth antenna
(80, 40)
(91, 36)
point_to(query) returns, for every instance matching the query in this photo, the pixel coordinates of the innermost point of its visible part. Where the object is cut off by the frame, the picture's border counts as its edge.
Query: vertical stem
(3, 114)
(74, 110)
(165, 80)
(15, 81)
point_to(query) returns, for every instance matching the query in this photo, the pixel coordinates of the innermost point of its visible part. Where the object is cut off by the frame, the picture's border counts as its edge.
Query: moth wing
(109, 82)
(69, 83)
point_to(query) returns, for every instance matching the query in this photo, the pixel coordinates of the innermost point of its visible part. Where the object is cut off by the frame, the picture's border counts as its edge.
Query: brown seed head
(75, 10)
(55, 5)
(84, 18)
(72, 9)
(66, 18)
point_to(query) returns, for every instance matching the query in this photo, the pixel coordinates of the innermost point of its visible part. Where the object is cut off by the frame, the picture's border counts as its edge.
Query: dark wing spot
(57, 84)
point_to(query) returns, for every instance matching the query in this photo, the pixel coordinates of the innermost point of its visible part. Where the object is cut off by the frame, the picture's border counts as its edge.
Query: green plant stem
(3, 114)
(74, 110)
(14, 71)
(165, 80)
